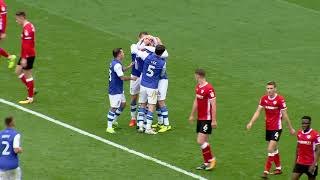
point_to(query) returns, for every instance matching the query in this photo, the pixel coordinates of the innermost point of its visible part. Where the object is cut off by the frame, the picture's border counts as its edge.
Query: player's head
(271, 88)
(147, 40)
(305, 122)
(160, 49)
(9, 122)
(199, 74)
(118, 53)
(21, 17)
(142, 35)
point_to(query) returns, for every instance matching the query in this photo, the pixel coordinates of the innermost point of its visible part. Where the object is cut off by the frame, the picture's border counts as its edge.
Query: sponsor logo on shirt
(304, 142)
(271, 107)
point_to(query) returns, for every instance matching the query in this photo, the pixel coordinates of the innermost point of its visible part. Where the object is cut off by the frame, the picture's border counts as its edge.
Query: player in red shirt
(28, 55)
(276, 110)
(205, 104)
(308, 151)
(3, 28)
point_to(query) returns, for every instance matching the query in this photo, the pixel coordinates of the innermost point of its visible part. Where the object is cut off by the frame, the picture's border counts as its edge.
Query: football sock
(4, 53)
(111, 116)
(30, 86)
(206, 152)
(149, 119)
(23, 79)
(145, 117)
(160, 118)
(277, 159)
(141, 114)
(269, 161)
(117, 113)
(165, 115)
(133, 109)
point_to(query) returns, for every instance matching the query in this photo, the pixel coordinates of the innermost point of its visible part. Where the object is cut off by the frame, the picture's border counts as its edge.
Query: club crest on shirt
(266, 101)
(308, 137)
(26, 33)
(3, 8)
(202, 91)
(274, 102)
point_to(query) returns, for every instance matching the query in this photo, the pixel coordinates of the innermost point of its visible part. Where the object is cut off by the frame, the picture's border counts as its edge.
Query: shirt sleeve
(282, 104)
(211, 94)
(142, 54)
(163, 71)
(16, 141)
(134, 49)
(261, 103)
(317, 141)
(118, 69)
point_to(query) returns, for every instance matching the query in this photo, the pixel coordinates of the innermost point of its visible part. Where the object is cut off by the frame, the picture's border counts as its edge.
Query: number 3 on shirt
(150, 71)
(5, 152)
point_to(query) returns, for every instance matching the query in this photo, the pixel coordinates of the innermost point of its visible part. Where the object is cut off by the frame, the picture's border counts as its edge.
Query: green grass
(241, 44)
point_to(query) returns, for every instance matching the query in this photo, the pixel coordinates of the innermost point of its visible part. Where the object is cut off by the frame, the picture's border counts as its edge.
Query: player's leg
(20, 74)
(296, 176)
(15, 174)
(160, 118)
(11, 58)
(276, 158)
(115, 102)
(134, 92)
(143, 98)
(119, 110)
(165, 116)
(203, 130)
(27, 70)
(312, 176)
(152, 101)
(272, 145)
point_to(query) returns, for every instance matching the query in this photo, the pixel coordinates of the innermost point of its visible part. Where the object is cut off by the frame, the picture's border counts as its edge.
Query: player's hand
(3, 35)
(130, 65)
(23, 62)
(191, 119)
(292, 131)
(312, 169)
(249, 125)
(214, 124)
(134, 78)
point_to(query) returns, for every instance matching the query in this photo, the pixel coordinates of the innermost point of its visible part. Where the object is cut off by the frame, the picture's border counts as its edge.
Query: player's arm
(286, 118)
(120, 74)
(16, 144)
(312, 168)
(128, 67)
(165, 54)
(142, 54)
(213, 112)
(254, 117)
(193, 110)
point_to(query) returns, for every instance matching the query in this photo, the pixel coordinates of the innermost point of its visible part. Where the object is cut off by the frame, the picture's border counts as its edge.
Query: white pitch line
(103, 140)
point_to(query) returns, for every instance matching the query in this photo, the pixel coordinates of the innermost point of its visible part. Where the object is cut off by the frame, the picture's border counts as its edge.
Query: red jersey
(273, 107)
(28, 41)
(3, 16)
(204, 94)
(307, 142)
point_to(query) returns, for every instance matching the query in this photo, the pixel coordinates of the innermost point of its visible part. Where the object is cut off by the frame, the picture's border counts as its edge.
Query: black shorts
(204, 126)
(273, 135)
(30, 61)
(299, 168)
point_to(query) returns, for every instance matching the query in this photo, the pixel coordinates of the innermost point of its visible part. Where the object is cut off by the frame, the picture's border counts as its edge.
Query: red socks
(277, 160)
(273, 157)
(30, 86)
(269, 161)
(3, 53)
(23, 79)
(206, 152)
(29, 83)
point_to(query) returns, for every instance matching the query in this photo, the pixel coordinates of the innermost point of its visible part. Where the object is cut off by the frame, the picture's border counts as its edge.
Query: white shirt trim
(16, 141)
(273, 97)
(118, 69)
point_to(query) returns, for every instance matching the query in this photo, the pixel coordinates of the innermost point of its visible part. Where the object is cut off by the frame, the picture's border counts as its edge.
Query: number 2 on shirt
(5, 152)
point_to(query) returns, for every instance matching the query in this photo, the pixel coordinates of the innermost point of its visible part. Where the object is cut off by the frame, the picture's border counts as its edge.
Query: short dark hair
(307, 117)
(116, 52)
(8, 120)
(143, 33)
(21, 13)
(273, 83)
(200, 72)
(160, 49)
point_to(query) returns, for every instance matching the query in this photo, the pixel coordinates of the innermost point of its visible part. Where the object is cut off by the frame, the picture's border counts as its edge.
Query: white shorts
(116, 100)
(135, 86)
(14, 174)
(148, 95)
(163, 88)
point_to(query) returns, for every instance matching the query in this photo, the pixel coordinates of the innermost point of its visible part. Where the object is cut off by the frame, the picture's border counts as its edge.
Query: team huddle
(148, 85)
